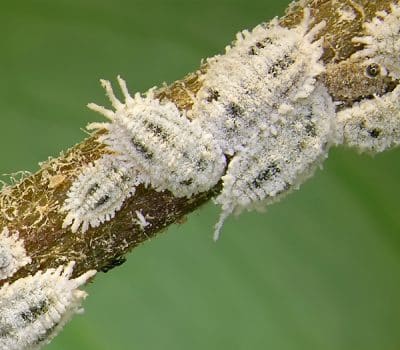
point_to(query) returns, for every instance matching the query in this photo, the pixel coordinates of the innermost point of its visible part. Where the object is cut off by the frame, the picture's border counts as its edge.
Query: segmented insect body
(33, 309)
(259, 174)
(265, 72)
(382, 42)
(12, 254)
(98, 193)
(260, 102)
(374, 124)
(153, 136)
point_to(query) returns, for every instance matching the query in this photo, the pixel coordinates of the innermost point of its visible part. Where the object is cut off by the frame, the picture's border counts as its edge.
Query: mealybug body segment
(12, 254)
(268, 114)
(263, 172)
(33, 309)
(168, 150)
(98, 192)
(257, 82)
(373, 124)
(382, 42)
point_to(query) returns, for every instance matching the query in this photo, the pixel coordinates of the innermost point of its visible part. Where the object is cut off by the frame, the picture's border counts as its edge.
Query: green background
(319, 270)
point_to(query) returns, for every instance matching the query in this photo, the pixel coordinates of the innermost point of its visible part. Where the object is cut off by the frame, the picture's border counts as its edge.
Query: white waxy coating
(154, 137)
(12, 254)
(382, 42)
(373, 124)
(261, 104)
(266, 71)
(98, 193)
(33, 309)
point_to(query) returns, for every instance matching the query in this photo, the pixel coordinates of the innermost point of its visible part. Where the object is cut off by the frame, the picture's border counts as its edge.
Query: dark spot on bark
(117, 261)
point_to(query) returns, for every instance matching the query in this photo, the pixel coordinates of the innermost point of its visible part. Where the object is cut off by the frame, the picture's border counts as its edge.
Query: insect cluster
(270, 116)
(261, 122)
(257, 100)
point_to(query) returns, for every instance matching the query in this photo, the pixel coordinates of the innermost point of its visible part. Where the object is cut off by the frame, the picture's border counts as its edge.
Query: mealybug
(33, 309)
(12, 254)
(154, 137)
(261, 103)
(98, 192)
(373, 124)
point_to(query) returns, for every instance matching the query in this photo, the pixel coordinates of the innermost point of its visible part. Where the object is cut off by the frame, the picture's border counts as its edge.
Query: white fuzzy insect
(262, 173)
(33, 309)
(98, 193)
(154, 137)
(265, 72)
(382, 42)
(373, 125)
(12, 253)
(261, 104)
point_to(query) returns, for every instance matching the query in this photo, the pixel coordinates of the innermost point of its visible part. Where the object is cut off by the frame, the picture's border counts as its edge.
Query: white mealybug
(12, 254)
(33, 309)
(98, 193)
(154, 137)
(266, 71)
(374, 124)
(382, 42)
(263, 172)
(261, 104)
